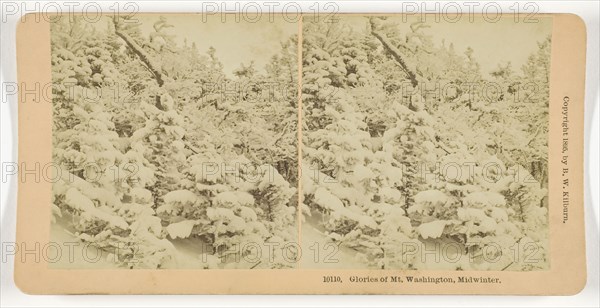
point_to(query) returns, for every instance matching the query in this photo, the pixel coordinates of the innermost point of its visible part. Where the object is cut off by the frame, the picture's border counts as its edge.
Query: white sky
(243, 41)
(492, 42)
(235, 42)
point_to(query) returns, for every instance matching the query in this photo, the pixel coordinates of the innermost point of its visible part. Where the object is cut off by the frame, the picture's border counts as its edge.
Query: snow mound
(76, 200)
(484, 199)
(181, 229)
(432, 196)
(328, 201)
(233, 198)
(180, 197)
(141, 195)
(432, 229)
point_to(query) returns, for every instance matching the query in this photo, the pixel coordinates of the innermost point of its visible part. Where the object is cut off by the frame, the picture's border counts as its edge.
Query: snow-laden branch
(396, 54)
(141, 53)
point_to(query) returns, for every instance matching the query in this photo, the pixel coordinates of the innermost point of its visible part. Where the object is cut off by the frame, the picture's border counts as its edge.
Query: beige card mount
(346, 154)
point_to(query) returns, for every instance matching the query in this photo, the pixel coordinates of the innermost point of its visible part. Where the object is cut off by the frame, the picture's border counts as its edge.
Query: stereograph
(313, 154)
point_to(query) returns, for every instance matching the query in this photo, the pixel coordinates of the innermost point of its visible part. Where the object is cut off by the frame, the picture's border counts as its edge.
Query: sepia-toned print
(425, 142)
(176, 138)
(359, 142)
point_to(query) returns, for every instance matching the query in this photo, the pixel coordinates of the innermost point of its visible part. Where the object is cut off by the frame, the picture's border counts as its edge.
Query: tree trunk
(396, 54)
(154, 68)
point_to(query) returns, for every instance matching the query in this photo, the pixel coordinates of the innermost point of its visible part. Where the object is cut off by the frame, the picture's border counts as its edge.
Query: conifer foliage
(152, 153)
(396, 170)
(169, 161)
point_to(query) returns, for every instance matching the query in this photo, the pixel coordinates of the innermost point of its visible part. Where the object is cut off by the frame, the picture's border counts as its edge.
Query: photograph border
(566, 276)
